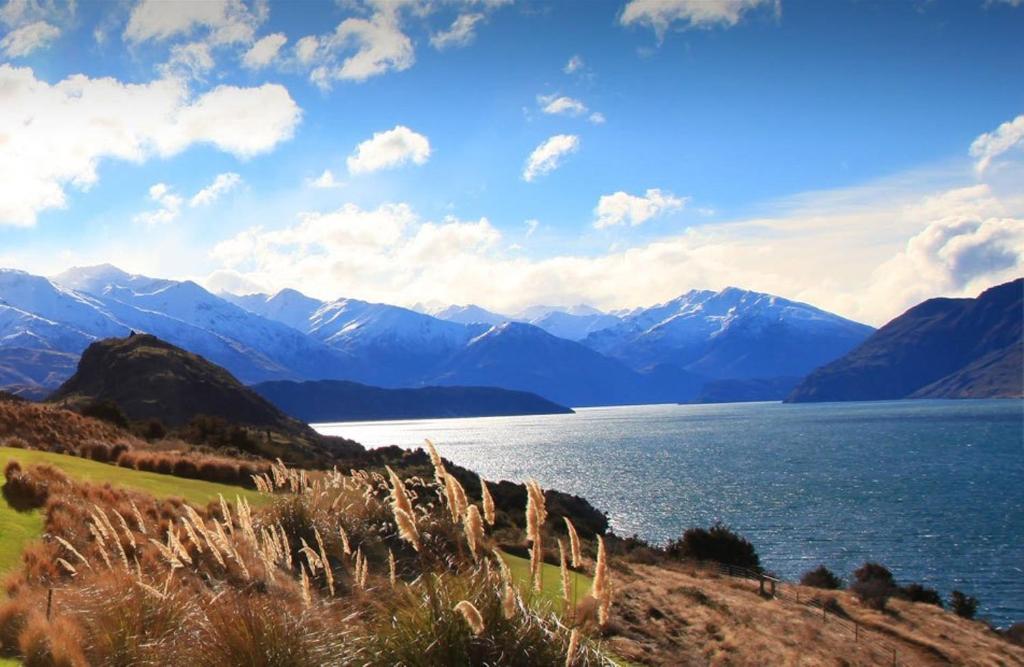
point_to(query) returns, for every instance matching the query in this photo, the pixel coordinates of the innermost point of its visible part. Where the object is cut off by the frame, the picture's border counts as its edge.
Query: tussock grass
(320, 571)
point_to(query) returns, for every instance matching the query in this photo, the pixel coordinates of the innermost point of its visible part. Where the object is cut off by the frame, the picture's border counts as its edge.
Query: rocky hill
(151, 379)
(941, 348)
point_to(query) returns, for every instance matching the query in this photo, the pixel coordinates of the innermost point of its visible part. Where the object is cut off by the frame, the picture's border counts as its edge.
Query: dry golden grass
(686, 615)
(137, 580)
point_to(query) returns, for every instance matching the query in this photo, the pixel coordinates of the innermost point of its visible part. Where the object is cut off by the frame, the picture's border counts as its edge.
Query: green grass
(19, 528)
(551, 589)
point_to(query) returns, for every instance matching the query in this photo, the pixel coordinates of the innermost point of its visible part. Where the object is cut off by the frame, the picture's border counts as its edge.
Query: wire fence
(865, 641)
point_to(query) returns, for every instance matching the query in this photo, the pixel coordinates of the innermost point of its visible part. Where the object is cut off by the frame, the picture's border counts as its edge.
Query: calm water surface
(932, 489)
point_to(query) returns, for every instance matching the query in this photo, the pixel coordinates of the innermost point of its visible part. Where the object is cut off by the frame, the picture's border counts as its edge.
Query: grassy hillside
(19, 528)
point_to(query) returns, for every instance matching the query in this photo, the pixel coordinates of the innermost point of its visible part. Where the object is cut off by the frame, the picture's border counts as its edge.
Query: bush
(918, 593)
(23, 491)
(821, 577)
(964, 606)
(107, 411)
(152, 429)
(718, 543)
(873, 585)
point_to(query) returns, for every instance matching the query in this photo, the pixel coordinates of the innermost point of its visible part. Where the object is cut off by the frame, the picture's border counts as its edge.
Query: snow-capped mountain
(733, 333)
(252, 347)
(664, 353)
(572, 323)
(522, 356)
(471, 314)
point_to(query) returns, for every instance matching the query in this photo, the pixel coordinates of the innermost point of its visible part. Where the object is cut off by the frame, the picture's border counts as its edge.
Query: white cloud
(660, 15)
(575, 64)
(389, 149)
(57, 134)
(222, 184)
(170, 207)
(620, 207)
(264, 51)
(461, 33)
(227, 21)
(991, 145)
(380, 46)
(306, 48)
(192, 60)
(870, 252)
(326, 181)
(26, 39)
(562, 105)
(548, 156)
(531, 226)
(597, 118)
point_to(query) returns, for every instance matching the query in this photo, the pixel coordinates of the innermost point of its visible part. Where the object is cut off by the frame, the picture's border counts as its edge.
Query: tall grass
(355, 568)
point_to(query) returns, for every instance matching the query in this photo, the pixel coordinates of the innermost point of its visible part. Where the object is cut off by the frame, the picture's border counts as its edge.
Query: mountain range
(941, 348)
(576, 356)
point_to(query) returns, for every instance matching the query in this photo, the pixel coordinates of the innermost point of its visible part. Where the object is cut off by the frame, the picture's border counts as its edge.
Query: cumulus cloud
(170, 207)
(369, 250)
(193, 60)
(57, 134)
(263, 52)
(561, 105)
(991, 145)
(871, 251)
(660, 15)
(26, 39)
(227, 21)
(549, 155)
(306, 48)
(461, 33)
(389, 149)
(621, 207)
(376, 46)
(221, 185)
(325, 181)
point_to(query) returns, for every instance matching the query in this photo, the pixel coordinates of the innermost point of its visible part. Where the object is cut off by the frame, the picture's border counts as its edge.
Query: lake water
(932, 489)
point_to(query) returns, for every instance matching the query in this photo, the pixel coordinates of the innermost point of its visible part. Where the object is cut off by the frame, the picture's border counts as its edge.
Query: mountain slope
(252, 347)
(335, 401)
(941, 348)
(520, 356)
(470, 314)
(730, 334)
(151, 379)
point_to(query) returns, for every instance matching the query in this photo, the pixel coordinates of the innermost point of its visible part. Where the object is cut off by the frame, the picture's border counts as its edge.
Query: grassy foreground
(19, 528)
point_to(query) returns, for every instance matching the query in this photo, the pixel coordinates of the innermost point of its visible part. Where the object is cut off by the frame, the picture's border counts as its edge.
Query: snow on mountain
(470, 314)
(288, 306)
(252, 347)
(732, 333)
(574, 326)
(44, 299)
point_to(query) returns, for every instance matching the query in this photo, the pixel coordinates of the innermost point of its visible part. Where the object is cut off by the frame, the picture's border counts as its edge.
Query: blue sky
(860, 156)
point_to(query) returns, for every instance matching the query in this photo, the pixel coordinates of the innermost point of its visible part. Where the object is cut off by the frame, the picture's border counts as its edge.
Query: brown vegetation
(322, 576)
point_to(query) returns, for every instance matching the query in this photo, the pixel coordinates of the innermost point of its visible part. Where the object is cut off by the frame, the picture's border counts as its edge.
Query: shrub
(718, 543)
(873, 585)
(21, 490)
(917, 593)
(821, 577)
(13, 616)
(964, 606)
(152, 429)
(107, 411)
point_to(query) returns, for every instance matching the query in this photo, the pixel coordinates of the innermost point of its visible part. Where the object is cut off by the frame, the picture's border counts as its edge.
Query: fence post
(49, 602)
(824, 613)
(856, 631)
(894, 658)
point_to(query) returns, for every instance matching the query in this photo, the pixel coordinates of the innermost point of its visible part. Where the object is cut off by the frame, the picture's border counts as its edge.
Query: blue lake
(932, 489)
